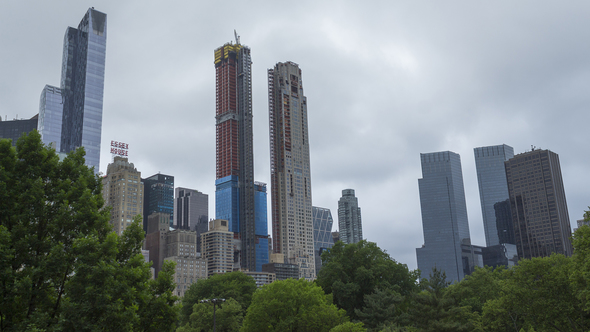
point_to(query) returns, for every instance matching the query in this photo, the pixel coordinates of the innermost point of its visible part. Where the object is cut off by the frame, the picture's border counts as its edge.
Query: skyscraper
(322, 233)
(349, 218)
(537, 201)
(191, 208)
(444, 217)
(234, 193)
(491, 177)
(122, 190)
(51, 116)
(261, 225)
(292, 224)
(158, 196)
(82, 85)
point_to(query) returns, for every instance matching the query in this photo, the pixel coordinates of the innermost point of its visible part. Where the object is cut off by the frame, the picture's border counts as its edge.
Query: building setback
(447, 244)
(234, 193)
(14, 129)
(493, 192)
(349, 218)
(292, 224)
(158, 196)
(537, 201)
(82, 86)
(122, 190)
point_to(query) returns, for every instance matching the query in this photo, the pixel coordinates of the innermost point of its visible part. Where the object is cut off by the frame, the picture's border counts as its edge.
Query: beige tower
(181, 247)
(292, 223)
(122, 190)
(217, 248)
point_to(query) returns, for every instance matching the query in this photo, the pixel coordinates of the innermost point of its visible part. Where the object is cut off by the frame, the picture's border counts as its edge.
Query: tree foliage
(292, 305)
(350, 272)
(62, 267)
(228, 317)
(235, 285)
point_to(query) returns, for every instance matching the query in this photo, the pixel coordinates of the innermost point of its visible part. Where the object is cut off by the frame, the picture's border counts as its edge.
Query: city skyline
(449, 79)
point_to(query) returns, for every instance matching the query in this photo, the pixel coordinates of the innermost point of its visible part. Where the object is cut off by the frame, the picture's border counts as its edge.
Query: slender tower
(292, 224)
(82, 86)
(234, 193)
(349, 218)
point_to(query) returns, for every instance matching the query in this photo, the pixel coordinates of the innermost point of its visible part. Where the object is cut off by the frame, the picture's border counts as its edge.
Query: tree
(580, 277)
(228, 317)
(432, 310)
(349, 327)
(292, 305)
(234, 285)
(62, 267)
(352, 271)
(379, 309)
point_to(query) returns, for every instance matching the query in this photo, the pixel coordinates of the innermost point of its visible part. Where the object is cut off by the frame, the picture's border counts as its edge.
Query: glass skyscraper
(322, 233)
(261, 225)
(349, 218)
(15, 128)
(444, 217)
(493, 191)
(158, 193)
(82, 86)
(50, 116)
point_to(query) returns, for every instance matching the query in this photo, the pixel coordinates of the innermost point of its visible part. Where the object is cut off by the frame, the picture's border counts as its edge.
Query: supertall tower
(292, 224)
(234, 193)
(82, 86)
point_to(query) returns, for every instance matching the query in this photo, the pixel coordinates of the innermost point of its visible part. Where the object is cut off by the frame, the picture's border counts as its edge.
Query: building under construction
(234, 194)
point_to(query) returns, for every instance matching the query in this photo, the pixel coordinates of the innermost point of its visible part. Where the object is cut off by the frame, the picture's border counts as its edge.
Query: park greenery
(63, 269)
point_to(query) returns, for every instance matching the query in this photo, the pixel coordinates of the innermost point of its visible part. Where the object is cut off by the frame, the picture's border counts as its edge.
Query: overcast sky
(385, 81)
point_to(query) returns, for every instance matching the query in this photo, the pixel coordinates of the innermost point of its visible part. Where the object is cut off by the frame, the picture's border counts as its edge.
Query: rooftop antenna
(237, 37)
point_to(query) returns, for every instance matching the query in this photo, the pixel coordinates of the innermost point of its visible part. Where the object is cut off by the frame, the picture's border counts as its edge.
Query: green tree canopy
(352, 271)
(228, 317)
(235, 285)
(292, 305)
(62, 267)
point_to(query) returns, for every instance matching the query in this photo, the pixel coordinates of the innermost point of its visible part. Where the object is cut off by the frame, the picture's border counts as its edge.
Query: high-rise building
(51, 116)
(15, 128)
(261, 225)
(155, 239)
(537, 201)
(217, 248)
(191, 208)
(234, 193)
(349, 218)
(493, 189)
(322, 233)
(158, 196)
(82, 86)
(447, 244)
(292, 224)
(122, 190)
(190, 266)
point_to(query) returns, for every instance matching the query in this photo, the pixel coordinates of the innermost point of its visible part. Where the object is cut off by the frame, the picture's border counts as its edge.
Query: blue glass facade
(50, 116)
(493, 189)
(261, 225)
(227, 201)
(444, 217)
(82, 86)
(322, 233)
(349, 218)
(158, 193)
(16, 128)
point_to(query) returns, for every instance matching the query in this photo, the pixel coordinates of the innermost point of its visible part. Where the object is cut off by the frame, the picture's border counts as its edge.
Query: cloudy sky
(385, 81)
